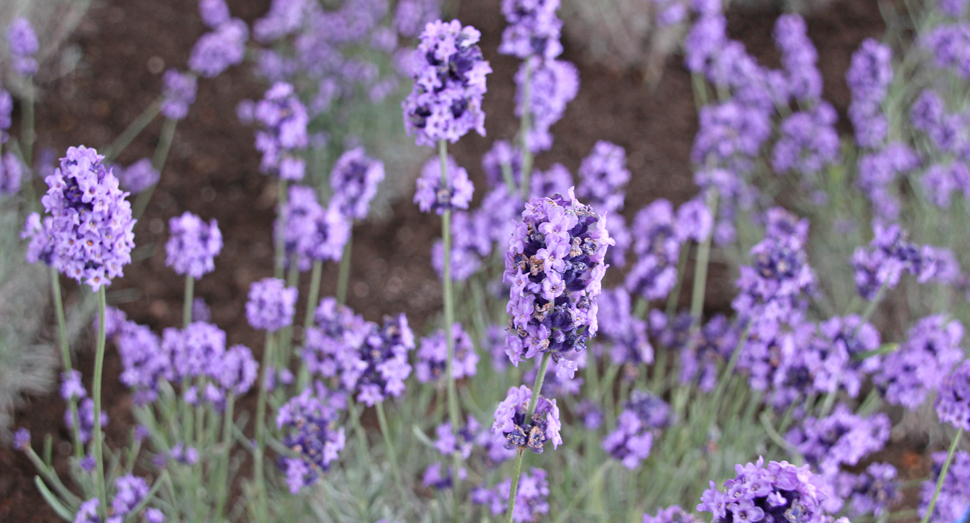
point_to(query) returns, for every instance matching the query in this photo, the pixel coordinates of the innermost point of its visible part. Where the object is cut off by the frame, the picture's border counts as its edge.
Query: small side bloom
(271, 304)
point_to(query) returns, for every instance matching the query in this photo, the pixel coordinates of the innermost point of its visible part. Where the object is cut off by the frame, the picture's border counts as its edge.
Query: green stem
(222, 480)
(939, 482)
(65, 356)
(389, 442)
(700, 269)
(187, 303)
(134, 129)
(280, 252)
(726, 376)
(524, 130)
(158, 162)
(96, 396)
(261, 425)
(343, 278)
(313, 295)
(674, 296)
(27, 129)
(520, 457)
(51, 476)
(871, 307)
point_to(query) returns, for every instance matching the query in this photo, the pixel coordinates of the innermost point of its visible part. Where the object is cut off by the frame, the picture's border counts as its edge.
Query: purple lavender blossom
(92, 226)
(590, 413)
(869, 77)
(798, 58)
(503, 155)
(711, 346)
(193, 351)
(138, 176)
(85, 413)
(555, 83)
(411, 16)
(312, 232)
(11, 174)
(431, 196)
(873, 491)
(271, 304)
(563, 382)
(470, 243)
(285, 121)
(533, 30)
(493, 343)
(114, 321)
(284, 17)
(555, 266)
(192, 245)
(842, 438)
(309, 425)
(953, 402)
(354, 181)
(776, 493)
(214, 12)
(237, 371)
(153, 515)
(71, 386)
(462, 441)
(603, 176)
(879, 170)
(88, 512)
(178, 89)
(808, 143)
(841, 342)
(6, 108)
(704, 41)
(495, 219)
(889, 255)
(530, 497)
(21, 439)
(948, 44)
(939, 181)
(519, 432)
(670, 12)
(951, 504)
(143, 362)
(23, 46)
(556, 180)
(694, 221)
(433, 355)
(436, 478)
(217, 50)
(657, 249)
(626, 334)
(200, 310)
(130, 491)
(731, 133)
(184, 454)
(671, 514)
(637, 425)
(932, 349)
(448, 71)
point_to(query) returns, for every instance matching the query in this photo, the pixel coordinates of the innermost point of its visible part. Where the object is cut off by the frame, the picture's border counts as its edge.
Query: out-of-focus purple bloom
(143, 361)
(193, 245)
(178, 89)
(462, 441)
(510, 421)
(555, 266)
(711, 346)
(271, 304)
(495, 220)
(153, 515)
(193, 351)
(285, 121)
(309, 425)
(494, 344)
(670, 12)
(184, 454)
(694, 221)
(470, 243)
(869, 76)
(626, 334)
(841, 341)
(214, 12)
(555, 83)
(808, 142)
(431, 196)
(842, 438)
(40, 247)
(6, 108)
(590, 413)
(603, 176)
(284, 17)
(311, 232)
(632, 440)
(433, 355)
(138, 176)
(704, 41)
(92, 228)
(85, 411)
(534, 29)
(217, 50)
(88, 512)
(872, 492)
(948, 44)
(530, 497)
(503, 155)
(448, 71)
(411, 16)
(730, 133)
(879, 170)
(435, 477)
(200, 310)
(798, 58)
(940, 180)
(882, 265)
(563, 382)
(954, 497)
(776, 493)
(71, 386)
(11, 173)
(21, 439)
(23, 45)
(130, 491)
(114, 321)
(556, 180)
(354, 181)
(237, 370)
(671, 514)
(932, 349)
(953, 402)
(656, 248)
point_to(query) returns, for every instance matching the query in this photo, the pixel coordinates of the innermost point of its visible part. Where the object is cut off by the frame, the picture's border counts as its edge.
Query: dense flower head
(694, 221)
(11, 173)
(336, 329)
(554, 83)
(271, 304)
(21, 439)
(954, 497)
(731, 133)
(590, 413)
(471, 242)
(214, 12)
(890, 254)
(308, 423)
(603, 176)
(704, 40)
(237, 370)
(130, 491)
(312, 232)
(510, 421)
(778, 492)
(447, 441)
(555, 266)
(534, 29)
(193, 351)
(138, 176)
(842, 438)
(871, 492)
(948, 44)
(495, 219)
(71, 386)
(192, 245)
(503, 155)
(87, 512)
(671, 514)
(953, 402)
(433, 354)
(643, 415)
(178, 90)
(354, 181)
(530, 497)
(23, 45)
(142, 360)
(284, 120)
(411, 16)
(85, 413)
(841, 342)
(284, 17)
(931, 350)
(808, 143)
(432, 196)
(877, 173)
(657, 248)
(798, 58)
(710, 347)
(625, 334)
(215, 51)
(940, 180)
(92, 226)
(869, 76)
(448, 71)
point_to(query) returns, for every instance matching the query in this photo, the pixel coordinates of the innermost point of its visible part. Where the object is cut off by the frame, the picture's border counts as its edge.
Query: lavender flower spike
(448, 71)
(23, 45)
(431, 196)
(555, 265)
(193, 245)
(271, 304)
(519, 432)
(178, 93)
(953, 402)
(354, 181)
(91, 229)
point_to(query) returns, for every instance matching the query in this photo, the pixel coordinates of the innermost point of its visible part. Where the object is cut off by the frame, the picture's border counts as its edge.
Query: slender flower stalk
(187, 302)
(700, 269)
(343, 277)
(524, 131)
(520, 455)
(96, 395)
(65, 356)
(943, 471)
(134, 129)
(158, 161)
(279, 256)
(261, 425)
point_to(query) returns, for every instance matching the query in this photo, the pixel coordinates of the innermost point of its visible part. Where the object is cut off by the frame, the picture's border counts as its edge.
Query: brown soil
(212, 171)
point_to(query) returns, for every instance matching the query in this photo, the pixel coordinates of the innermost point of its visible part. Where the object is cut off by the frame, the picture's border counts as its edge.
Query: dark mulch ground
(212, 171)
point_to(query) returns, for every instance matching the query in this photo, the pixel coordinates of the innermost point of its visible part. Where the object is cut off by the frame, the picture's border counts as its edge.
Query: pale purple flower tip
(214, 12)
(178, 92)
(23, 45)
(603, 176)
(910, 373)
(555, 83)
(21, 439)
(193, 245)
(130, 491)
(71, 386)
(138, 176)
(284, 120)
(954, 497)
(533, 30)
(354, 181)
(271, 304)
(88, 512)
(11, 174)
(217, 50)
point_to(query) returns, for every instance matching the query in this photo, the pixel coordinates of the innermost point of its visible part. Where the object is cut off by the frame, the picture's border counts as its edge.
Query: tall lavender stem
(65, 356)
(524, 130)
(96, 394)
(939, 482)
(520, 456)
